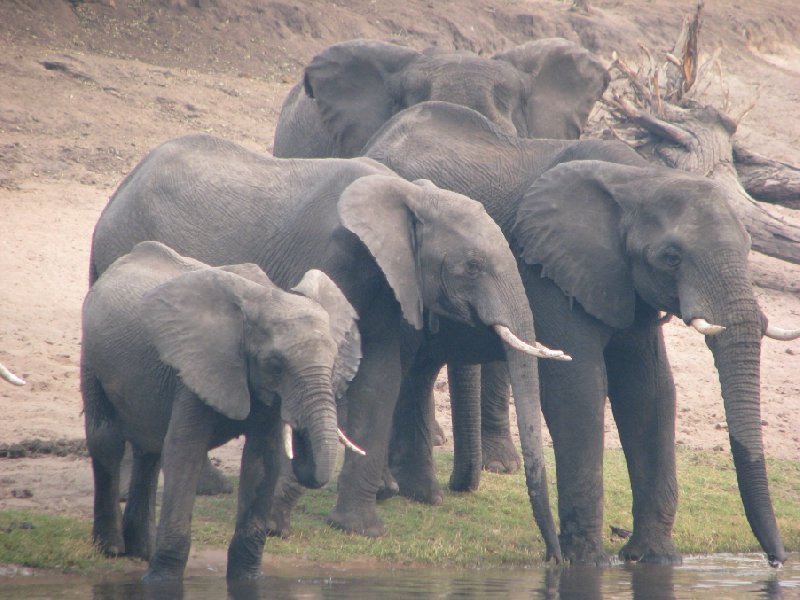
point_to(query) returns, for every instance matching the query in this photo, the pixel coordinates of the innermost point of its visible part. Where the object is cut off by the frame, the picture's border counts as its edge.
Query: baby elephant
(179, 357)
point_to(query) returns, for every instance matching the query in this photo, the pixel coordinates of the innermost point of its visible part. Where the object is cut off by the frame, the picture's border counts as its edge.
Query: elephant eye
(273, 369)
(671, 258)
(474, 266)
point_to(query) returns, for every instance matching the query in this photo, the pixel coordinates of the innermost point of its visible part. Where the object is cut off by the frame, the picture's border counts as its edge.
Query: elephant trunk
(737, 355)
(524, 375)
(314, 438)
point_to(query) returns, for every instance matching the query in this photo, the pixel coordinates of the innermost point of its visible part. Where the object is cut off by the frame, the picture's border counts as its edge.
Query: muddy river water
(719, 577)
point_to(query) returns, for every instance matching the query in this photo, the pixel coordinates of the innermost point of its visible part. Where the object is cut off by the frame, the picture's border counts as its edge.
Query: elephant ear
(382, 211)
(318, 287)
(349, 83)
(197, 325)
(566, 81)
(571, 222)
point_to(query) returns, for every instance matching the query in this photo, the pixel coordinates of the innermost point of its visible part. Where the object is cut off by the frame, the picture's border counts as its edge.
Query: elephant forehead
(695, 206)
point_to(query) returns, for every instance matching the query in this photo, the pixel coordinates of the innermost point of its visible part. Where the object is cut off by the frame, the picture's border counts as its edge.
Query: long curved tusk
(706, 328)
(287, 441)
(9, 376)
(785, 335)
(348, 444)
(538, 350)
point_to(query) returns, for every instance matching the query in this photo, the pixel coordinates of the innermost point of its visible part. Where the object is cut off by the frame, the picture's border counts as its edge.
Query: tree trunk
(768, 180)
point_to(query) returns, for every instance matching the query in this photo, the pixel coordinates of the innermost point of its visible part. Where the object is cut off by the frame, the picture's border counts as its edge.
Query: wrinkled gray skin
(543, 89)
(604, 241)
(178, 358)
(397, 250)
(540, 89)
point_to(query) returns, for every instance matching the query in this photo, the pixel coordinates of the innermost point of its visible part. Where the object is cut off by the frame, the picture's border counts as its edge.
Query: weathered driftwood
(655, 113)
(767, 180)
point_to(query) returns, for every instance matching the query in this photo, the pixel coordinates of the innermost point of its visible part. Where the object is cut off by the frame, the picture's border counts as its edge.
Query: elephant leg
(642, 395)
(185, 446)
(371, 400)
(139, 520)
(499, 453)
(261, 465)
(465, 381)
(411, 450)
(573, 399)
(288, 492)
(106, 446)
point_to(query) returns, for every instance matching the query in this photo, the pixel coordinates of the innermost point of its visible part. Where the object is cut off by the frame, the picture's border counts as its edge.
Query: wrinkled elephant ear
(382, 211)
(350, 84)
(566, 81)
(570, 222)
(197, 325)
(251, 272)
(317, 286)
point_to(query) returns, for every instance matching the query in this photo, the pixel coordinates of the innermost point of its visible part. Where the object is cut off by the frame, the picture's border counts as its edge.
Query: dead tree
(653, 109)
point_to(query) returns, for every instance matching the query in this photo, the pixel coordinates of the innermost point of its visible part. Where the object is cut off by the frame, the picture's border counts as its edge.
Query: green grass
(491, 527)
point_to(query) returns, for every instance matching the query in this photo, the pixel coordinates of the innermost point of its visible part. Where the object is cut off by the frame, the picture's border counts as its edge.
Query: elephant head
(442, 252)
(539, 89)
(235, 338)
(606, 233)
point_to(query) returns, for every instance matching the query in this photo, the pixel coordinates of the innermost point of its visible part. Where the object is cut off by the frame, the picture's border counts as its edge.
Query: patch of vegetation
(490, 527)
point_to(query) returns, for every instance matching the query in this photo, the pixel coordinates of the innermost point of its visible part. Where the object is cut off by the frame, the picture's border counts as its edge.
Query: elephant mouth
(298, 449)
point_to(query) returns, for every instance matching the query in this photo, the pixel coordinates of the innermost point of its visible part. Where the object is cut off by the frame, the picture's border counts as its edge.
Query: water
(719, 577)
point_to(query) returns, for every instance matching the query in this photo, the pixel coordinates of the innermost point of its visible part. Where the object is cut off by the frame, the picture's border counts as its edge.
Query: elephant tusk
(348, 444)
(537, 350)
(9, 376)
(663, 319)
(706, 328)
(784, 335)
(287, 441)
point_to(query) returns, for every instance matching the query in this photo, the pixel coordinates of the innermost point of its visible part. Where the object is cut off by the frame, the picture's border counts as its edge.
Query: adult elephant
(178, 357)
(398, 250)
(544, 88)
(541, 89)
(604, 242)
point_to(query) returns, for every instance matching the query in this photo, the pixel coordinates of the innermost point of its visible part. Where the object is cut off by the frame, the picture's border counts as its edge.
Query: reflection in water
(712, 578)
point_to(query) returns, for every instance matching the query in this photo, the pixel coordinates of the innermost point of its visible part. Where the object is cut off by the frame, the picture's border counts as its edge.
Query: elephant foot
(464, 480)
(212, 481)
(389, 487)
(111, 544)
(650, 551)
(137, 547)
(420, 485)
(584, 553)
(438, 438)
(364, 521)
(499, 454)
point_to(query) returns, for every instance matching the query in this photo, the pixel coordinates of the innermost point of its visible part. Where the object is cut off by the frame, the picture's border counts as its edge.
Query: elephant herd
(421, 209)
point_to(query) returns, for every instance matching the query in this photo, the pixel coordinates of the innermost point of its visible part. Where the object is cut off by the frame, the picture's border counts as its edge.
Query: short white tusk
(9, 376)
(785, 335)
(706, 328)
(287, 441)
(348, 444)
(664, 318)
(538, 350)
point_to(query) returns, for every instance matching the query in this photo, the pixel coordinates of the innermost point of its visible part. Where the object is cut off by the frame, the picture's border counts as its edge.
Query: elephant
(541, 89)
(604, 242)
(179, 357)
(544, 88)
(398, 250)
